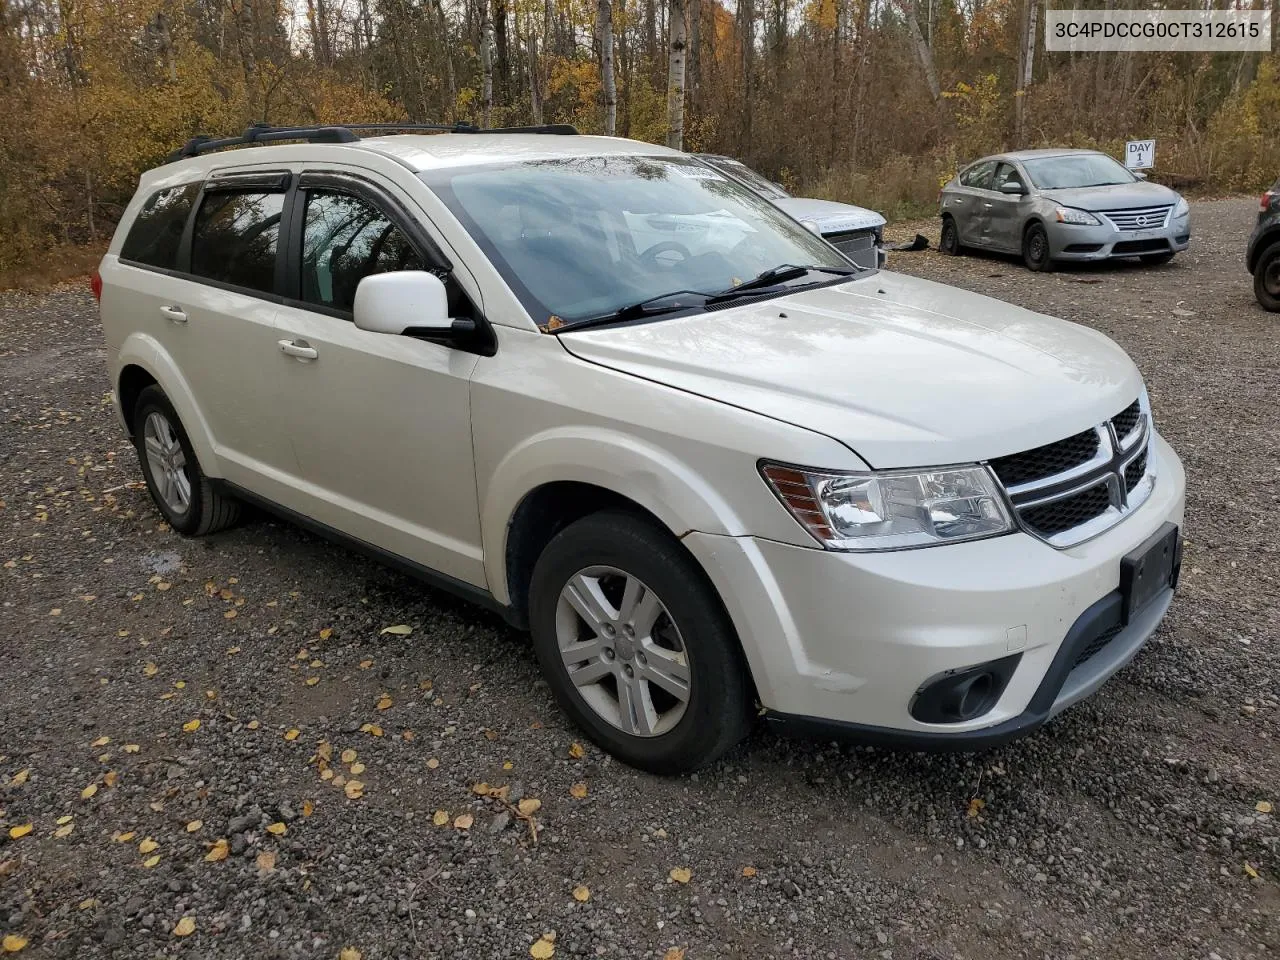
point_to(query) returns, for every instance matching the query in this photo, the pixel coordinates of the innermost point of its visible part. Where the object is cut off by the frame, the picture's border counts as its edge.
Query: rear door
(380, 424)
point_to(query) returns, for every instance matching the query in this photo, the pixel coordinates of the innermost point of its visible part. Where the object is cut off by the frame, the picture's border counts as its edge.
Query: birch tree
(676, 30)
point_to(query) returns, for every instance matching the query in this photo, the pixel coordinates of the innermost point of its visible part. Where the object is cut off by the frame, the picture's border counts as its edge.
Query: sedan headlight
(1072, 215)
(892, 509)
(1181, 208)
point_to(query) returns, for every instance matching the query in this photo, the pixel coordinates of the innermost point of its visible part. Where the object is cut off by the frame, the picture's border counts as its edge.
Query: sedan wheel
(1035, 248)
(949, 241)
(1266, 278)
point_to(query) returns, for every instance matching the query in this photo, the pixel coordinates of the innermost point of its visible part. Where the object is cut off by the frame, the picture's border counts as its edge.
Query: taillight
(95, 284)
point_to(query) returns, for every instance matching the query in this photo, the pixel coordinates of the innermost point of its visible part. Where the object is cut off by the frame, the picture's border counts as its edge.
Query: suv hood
(1116, 197)
(903, 371)
(828, 215)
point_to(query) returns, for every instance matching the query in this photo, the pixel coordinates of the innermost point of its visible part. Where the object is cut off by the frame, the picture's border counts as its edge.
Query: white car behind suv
(608, 391)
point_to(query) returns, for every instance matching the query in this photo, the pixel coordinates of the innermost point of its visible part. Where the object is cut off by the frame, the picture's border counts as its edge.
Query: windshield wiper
(652, 307)
(775, 275)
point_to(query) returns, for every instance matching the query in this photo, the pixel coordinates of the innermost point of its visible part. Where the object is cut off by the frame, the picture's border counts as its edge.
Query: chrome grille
(1139, 218)
(1070, 490)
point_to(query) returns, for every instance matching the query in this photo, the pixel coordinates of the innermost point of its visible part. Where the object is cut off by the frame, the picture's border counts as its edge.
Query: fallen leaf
(508, 765)
(164, 585)
(150, 670)
(576, 751)
(186, 926)
(675, 953)
(101, 742)
(407, 735)
(180, 684)
(326, 633)
(399, 630)
(151, 861)
(312, 681)
(308, 808)
(191, 726)
(975, 806)
(578, 791)
(194, 825)
(372, 729)
(464, 821)
(110, 777)
(64, 819)
(432, 763)
(277, 829)
(384, 702)
(230, 615)
(354, 789)
(88, 791)
(20, 777)
(131, 748)
(125, 837)
(349, 953)
(581, 894)
(253, 724)
(219, 851)
(326, 774)
(542, 949)
(357, 768)
(440, 818)
(366, 664)
(529, 806)
(491, 735)
(680, 874)
(266, 861)
(1262, 806)
(348, 756)
(147, 845)
(232, 651)
(292, 735)
(748, 871)
(12, 943)
(64, 831)
(480, 789)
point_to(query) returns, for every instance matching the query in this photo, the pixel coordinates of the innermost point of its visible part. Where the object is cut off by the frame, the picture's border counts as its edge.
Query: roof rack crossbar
(347, 133)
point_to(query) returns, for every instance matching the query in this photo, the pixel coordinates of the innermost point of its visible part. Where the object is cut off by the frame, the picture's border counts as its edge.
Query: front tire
(949, 239)
(1266, 278)
(1035, 249)
(180, 489)
(636, 646)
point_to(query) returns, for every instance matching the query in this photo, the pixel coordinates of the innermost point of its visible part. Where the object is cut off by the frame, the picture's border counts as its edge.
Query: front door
(380, 424)
(1004, 211)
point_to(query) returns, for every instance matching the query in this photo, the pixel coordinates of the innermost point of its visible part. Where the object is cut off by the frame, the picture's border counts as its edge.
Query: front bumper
(841, 642)
(1068, 241)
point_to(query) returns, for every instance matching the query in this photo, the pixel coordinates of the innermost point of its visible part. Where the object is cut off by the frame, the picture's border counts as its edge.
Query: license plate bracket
(1149, 568)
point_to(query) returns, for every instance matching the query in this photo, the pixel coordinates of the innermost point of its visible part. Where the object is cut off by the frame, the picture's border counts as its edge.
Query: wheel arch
(1263, 244)
(143, 362)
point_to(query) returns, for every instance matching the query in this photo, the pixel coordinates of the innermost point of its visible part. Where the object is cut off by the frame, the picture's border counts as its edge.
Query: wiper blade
(652, 307)
(775, 275)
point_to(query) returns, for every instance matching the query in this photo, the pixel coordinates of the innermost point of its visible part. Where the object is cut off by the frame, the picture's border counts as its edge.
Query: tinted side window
(156, 233)
(345, 239)
(979, 175)
(236, 238)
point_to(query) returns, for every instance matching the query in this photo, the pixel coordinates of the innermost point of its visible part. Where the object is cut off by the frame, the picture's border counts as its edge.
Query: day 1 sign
(1140, 154)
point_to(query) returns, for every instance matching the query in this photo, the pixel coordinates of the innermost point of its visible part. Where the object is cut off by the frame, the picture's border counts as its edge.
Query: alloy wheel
(167, 462)
(623, 651)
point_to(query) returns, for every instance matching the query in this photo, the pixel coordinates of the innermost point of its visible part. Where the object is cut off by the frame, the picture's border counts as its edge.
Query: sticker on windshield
(692, 172)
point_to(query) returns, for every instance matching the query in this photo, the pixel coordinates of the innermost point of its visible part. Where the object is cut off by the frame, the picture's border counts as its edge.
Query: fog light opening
(966, 694)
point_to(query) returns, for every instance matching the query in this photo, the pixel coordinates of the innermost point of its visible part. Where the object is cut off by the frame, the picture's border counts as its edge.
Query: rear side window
(157, 230)
(236, 238)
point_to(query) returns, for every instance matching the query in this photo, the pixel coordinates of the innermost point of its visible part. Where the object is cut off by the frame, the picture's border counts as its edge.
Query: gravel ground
(167, 705)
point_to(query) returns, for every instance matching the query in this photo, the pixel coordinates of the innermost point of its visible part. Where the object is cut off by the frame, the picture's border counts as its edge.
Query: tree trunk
(486, 63)
(676, 31)
(503, 53)
(650, 30)
(923, 53)
(604, 33)
(446, 52)
(747, 36)
(1026, 69)
(695, 54)
(535, 80)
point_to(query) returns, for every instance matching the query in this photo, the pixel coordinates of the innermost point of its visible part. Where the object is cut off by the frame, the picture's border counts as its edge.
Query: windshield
(1076, 170)
(740, 171)
(582, 237)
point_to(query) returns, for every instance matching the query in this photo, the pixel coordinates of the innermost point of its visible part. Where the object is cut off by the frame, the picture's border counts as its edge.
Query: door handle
(174, 313)
(298, 348)
(988, 205)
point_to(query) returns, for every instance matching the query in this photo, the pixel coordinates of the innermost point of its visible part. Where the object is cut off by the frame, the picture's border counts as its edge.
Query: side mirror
(812, 227)
(1140, 174)
(406, 300)
(1013, 187)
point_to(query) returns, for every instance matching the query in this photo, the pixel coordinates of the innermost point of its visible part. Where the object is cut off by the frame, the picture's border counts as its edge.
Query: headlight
(1181, 208)
(1072, 215)
(892, 509)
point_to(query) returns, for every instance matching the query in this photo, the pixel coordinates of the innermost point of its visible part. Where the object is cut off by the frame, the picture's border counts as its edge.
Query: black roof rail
(347, 133)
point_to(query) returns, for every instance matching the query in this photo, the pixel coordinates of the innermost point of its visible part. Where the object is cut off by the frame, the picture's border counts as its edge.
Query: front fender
(143, 350)
(649, 476)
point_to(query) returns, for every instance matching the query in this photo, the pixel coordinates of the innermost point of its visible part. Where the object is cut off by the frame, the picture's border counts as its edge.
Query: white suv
(602, 388)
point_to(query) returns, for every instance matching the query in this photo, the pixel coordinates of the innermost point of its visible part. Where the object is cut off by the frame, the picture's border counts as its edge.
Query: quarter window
(345, 239)
(236, 238)
(157, 230)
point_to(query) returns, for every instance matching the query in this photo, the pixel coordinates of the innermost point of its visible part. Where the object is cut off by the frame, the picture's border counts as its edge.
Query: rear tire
(1266, 278)
(1155, 259)
(185, 496)
(659, 679)
(1035, 249)
(949, 239)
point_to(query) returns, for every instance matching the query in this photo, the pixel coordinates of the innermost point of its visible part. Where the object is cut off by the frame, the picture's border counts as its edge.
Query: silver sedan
(1052, 205)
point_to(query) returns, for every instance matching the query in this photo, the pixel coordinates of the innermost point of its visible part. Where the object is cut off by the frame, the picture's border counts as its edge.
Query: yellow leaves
(581, 894)
(408, 736)
(1262, 806)
(366, 664)
(232, 651)
(349, 756)
(64, 819)
(354, 789)
(277, 829)
(125, 837)
(399, 630)
(20, 777)
(674, 953)
(131, 748)
(529, 806)
(110, 778)
(191, 726)
(480, 789)
(194, 826)
(151, 861)
(433, 763)
(12, 943)
(542, 949)
(218, 852)
(326, 633)
(384, 702)
(312, 681)
(64, 831)
(164, 585)
(440, 818)
(578, 791)
(147, 846)
(463, 821)
(229, 615)
(508, 765)
(185, 927)
(292, 734)
(1250, 870)
(266, 861)
(349, 953)
(308, 808)
(150, 670)
(748, 871)
(680, 874)
(357, 768)
(101, 742)
(324, 750)
(253, 725)
(576, 751)
(975, 806)
(88, 792)
(372, 729)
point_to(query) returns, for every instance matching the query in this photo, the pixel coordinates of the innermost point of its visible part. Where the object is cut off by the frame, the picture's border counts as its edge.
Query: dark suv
(1263, 257)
